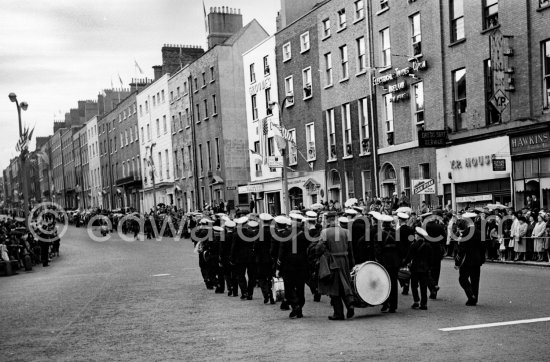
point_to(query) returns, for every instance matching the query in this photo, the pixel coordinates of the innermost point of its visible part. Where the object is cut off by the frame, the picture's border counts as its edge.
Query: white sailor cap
(205, 221)
(241, 220)
(374, 214)
(311, 214)
(421, 232)
(470, 215)
(282, 220)
(225, 218)
(351, 212)
(253, 224)
(426, 214)
(296, 217)
(230, 224)
(402, 216)
(343, 220)
(266, 217)
(217, 229)
(385, 218)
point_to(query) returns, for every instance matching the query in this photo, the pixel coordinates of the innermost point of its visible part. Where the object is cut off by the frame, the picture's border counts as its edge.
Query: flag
(120, 79)
(285, 133)
(205, 17)
(138, 67)
(45, 158)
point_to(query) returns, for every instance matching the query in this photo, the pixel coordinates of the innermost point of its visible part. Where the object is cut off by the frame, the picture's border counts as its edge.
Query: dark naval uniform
(470, 257)
(388, 255)
(242, 255)
(264, 264)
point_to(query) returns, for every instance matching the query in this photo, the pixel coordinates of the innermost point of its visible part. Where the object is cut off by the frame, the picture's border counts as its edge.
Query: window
(162, 95)
(146, 107)
(176, 164)
(159, 165)
(252, 74)
(363, 125)
(266, 65)
(268, 109)
(171, 96)
(361, 55)
(344, 60)
(388, 118)
(406, 181)
(200, 159)
(218, 163)
(254, 107)
(187, 117)
(416, 34)
(286, 52)
(140, 110)
(418, 89)
(126, 137)
(198, 112)
(158, 127)
(490, 14)
(385, 56)
(346, 129)
(212, 75)
(306, 81)
(178, 89)
(148, 133)
(310, 141)
(174, 124)
(384, 4)
(304, 42)
(209, 155)
(214, 105)
(546, 73)
(164, 126)
(205, 108)
(189, 154)
(167, 164)
(154, 101)
(359, 7)
(292, 151)
(289, 91)
(142, 136)
(457, 20)
(341, 19)
(459, 95)
(196, 84)
(258, 166)
(326, 28)
(203, 79)
(328, 69)
(331, 132)
(424, 170)
(180, 121)
(270, 146)
(491, 114)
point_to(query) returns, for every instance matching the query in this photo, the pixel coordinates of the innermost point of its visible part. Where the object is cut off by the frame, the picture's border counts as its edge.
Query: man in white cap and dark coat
(312, 230)
(242, 255)
(264, 264)
(419, 259)
(226, 243)
(359, 239)
(212, 257)
(337, 242)
(437, 238)
(405, 235)
(470, 257)
(387, 253)
(282, 234)
(202, 235)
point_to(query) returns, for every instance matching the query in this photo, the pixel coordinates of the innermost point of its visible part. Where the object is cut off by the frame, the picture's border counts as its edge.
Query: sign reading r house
(530, 143)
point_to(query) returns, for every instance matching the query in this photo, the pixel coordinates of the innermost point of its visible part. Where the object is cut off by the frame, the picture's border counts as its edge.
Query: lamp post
(284, 174)
(22, 106)
(153, 175)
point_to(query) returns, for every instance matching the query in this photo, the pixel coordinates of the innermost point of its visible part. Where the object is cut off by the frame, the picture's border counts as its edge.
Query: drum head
(372, 283)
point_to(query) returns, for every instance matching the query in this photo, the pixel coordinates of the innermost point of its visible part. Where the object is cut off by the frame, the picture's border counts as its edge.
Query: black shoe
(300, 314)
(336, 318)
(317, 297)
(350, 313)
(392, 310)
(384, 309)
(229, 293)
(243, 297)
(249, 297)
(284, 306)
(471, 303)
(293, 314)
(271, 300)
(235, 294)
(433, 295)
(219, 291)
(266, 299)
(404, 292)
(424, 307)
(415, 305)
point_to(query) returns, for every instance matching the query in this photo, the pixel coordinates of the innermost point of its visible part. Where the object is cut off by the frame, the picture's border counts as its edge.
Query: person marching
(212, 257)
(387, 253)
(334, 277)
(282, 234)
(437, 238)
(405, 236)
(470, 257)
(293, 266)
(264, 265)
(312, 230)
(242, 255)
(419, 259)
(199, 238)
(226, 242)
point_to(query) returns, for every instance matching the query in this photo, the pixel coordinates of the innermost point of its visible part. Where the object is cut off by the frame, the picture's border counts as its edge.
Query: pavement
(145, 301)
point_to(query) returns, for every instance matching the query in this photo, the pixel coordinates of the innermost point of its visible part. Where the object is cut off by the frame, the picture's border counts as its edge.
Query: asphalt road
(114, 301)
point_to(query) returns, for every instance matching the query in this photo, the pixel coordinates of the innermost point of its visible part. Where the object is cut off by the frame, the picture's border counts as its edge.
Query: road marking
(161, 275)
(498, 324)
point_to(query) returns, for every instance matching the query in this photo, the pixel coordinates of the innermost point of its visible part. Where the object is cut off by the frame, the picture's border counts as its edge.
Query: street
(145, 300)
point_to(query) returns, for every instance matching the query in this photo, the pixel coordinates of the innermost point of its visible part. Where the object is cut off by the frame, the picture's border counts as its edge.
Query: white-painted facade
(94, 163)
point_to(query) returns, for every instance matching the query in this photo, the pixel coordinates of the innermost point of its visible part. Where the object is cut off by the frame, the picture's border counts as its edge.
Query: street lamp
(22, 106)
(153, 174)
(284, 175)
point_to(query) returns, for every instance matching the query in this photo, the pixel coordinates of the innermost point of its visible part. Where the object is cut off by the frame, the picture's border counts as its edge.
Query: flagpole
(284, 172)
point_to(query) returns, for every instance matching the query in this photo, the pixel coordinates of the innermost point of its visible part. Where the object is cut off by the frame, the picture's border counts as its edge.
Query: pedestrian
(520, 246)
(419, 261)
(470, 257)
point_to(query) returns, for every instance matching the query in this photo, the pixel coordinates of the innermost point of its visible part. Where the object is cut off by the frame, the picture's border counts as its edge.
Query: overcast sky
(56, 52)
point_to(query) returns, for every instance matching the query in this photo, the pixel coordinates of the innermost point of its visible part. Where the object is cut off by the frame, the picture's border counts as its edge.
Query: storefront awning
(216, 180)
(519, 186)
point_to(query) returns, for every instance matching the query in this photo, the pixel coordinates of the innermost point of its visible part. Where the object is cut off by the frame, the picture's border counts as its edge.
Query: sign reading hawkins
(530, 143)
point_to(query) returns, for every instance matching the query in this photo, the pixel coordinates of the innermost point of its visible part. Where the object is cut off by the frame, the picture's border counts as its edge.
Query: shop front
(475, 174)
(531, 168)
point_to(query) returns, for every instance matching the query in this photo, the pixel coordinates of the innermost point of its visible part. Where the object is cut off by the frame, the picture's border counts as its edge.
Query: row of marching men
(236, 255)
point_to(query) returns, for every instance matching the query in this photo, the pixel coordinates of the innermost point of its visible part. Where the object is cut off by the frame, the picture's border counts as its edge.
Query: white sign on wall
(423, 186)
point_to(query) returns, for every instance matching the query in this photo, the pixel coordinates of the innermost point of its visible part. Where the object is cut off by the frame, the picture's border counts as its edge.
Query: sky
(56, 52)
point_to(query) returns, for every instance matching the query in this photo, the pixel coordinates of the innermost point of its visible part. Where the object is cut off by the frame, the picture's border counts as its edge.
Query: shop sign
(499, 101)
(251, 189)
(231, 188)
(256, 87)
(418, 65)
(499, 164)
(470, 162)
(432, 138)
(275, 161)
(530, 143)
(423, 186)
(474, 198)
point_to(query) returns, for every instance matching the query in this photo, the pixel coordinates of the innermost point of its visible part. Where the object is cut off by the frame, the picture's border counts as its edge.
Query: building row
(444, 102)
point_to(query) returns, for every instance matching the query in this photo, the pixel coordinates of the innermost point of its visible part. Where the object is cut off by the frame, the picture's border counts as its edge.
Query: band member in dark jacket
(293, 266)
(201, 235)
(419, 259)
(212, 257)
(264, 264)
(242, 255)
(470, 257)
(282, 233)
(387, 254)
(312, 230)
(405, 235)
(226, 242)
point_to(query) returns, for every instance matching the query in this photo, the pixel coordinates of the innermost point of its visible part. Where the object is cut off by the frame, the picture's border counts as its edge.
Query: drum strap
(343, 253)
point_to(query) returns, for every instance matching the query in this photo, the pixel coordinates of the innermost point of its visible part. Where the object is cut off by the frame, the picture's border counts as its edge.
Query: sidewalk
(529, 263)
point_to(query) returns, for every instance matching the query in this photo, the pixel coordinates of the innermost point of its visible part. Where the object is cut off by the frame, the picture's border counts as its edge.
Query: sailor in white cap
(229, 274)
(282, 235)
(418, 258)
(202, 235)
(343, 221)
(405, 235)
(242, 255)
(388, 254)
(212, 257)
(263, 258)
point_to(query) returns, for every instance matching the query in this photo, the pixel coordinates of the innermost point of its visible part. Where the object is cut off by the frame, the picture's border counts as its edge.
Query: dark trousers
(227, 271)
(45, 253)
(468, 277)
(295, 284)
(433, 279)
(391, 303)
(264, 274)
(215, 274)
(338, 303)
(204, 269)
(248, 269)
(422, 280)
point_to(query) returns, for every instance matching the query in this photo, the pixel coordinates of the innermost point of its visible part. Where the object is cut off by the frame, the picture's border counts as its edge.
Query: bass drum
(371, 282)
